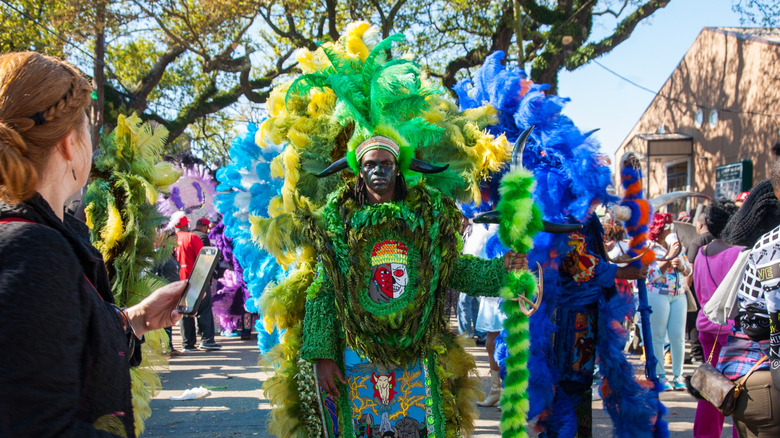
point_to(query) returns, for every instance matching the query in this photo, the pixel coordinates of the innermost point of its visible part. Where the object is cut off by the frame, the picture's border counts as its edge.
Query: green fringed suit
(376, 308)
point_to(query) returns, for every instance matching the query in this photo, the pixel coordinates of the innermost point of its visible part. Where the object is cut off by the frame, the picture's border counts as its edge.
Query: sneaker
(176, 352)
(190, 349)
(679, 383)
(210, 346)
(666, 386)
(595, 391)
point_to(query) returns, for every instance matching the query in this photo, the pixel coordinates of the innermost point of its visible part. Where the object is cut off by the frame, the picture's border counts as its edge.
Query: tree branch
(541, 13)
(212, 100)
(165, 29)
(591, 51)
(154, 75)
(611, 12)
(332, 6)
(388, 25)
(501, 40)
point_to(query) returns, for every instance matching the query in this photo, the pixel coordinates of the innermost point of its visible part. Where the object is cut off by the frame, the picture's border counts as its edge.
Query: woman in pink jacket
(712, 263)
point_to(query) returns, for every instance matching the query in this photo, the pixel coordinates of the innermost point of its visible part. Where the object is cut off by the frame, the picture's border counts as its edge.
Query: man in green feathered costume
(386, 257)
(373, 355)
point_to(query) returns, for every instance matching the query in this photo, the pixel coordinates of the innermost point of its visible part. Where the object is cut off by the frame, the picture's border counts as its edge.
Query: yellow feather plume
(321, 104)
(88, 212)
(112, 230)
(277, 236)
(283, 304)
(110, 424)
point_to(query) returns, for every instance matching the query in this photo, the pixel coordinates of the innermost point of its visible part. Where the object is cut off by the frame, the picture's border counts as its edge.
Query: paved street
(240, 409)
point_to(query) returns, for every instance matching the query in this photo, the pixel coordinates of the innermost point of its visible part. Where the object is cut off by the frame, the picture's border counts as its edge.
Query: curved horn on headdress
(493, 217)
(591, 132)
(423, 167)
(534, 305)
(626, 258)
(676, 252)
(554, 227)
(621, 213)
(335, 167)
(516, 162)
(667, 198)
(488, 217)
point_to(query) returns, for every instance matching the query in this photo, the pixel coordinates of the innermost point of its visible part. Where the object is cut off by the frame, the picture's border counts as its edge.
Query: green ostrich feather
(123, 220)
(520, 221)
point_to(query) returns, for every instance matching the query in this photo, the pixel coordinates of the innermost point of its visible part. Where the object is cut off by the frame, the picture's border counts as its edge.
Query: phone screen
(198, 278)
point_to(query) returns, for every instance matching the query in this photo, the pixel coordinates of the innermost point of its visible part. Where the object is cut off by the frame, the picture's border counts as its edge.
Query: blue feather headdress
(571, 174)
(246, 188)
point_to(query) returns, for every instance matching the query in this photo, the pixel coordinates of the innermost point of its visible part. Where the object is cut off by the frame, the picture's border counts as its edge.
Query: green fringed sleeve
(320, 335)
(477, 276)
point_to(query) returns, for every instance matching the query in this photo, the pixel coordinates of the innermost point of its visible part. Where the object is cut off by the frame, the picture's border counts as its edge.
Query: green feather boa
(520, 221)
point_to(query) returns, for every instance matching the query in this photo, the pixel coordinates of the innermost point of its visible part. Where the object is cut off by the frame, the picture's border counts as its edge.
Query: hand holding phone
(199, 281)
(157, 310)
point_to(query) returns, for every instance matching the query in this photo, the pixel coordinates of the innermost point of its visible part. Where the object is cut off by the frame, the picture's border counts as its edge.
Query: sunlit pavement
(241, 410)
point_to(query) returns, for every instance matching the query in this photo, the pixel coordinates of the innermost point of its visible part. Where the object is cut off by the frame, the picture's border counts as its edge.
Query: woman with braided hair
(54, 287)
(753, 346)
(712, 263)
(757, 216)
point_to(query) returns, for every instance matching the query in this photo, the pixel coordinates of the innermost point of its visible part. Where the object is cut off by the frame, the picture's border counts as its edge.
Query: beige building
(712, 125)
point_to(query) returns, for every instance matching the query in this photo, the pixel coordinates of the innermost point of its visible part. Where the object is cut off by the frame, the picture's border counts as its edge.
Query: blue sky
(601, 100)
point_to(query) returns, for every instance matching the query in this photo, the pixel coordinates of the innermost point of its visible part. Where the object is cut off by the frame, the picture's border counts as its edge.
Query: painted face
(379, 169)
(383, 276)
(400, 278)
(388, 280)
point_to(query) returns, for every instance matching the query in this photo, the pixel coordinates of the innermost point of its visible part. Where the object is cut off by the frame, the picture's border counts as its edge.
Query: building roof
(672, 136)
(769, 35)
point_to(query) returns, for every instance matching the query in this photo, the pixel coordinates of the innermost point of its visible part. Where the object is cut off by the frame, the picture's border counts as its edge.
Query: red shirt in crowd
(187, 249)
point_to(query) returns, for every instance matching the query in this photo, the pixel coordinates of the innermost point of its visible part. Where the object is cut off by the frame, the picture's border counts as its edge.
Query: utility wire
(66, 41)
(674, 99)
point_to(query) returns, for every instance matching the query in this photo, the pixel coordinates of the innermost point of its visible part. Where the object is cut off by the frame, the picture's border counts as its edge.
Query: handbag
(692, 304)
(717, 388)
(722, 306)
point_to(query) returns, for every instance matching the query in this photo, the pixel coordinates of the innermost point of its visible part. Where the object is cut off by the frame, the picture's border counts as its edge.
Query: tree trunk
(98, 78)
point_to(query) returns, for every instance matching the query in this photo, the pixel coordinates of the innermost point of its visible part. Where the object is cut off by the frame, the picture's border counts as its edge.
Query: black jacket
(202, 236)
(63, 366)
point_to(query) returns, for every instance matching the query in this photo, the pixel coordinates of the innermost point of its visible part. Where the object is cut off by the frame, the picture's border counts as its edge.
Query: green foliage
(764, 13)
(189, 64)
(19, 34)
(123, 219)
(456, 35)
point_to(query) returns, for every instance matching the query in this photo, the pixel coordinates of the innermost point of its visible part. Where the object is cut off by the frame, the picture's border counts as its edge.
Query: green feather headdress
(379, 97)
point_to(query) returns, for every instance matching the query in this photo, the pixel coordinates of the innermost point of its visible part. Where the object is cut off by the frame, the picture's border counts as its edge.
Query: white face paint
(400, 278)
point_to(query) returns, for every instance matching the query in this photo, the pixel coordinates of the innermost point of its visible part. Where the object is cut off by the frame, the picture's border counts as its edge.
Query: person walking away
(205, 313)
(187, 249)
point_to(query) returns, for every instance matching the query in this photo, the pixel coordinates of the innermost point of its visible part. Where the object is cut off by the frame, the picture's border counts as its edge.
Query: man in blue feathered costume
(578, 323)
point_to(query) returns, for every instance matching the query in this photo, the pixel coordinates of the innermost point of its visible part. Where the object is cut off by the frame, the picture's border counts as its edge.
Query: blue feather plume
(570, 172)
(246, 188)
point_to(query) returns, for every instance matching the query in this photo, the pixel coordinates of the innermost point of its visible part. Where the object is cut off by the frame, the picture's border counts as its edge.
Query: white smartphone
(198, 282)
